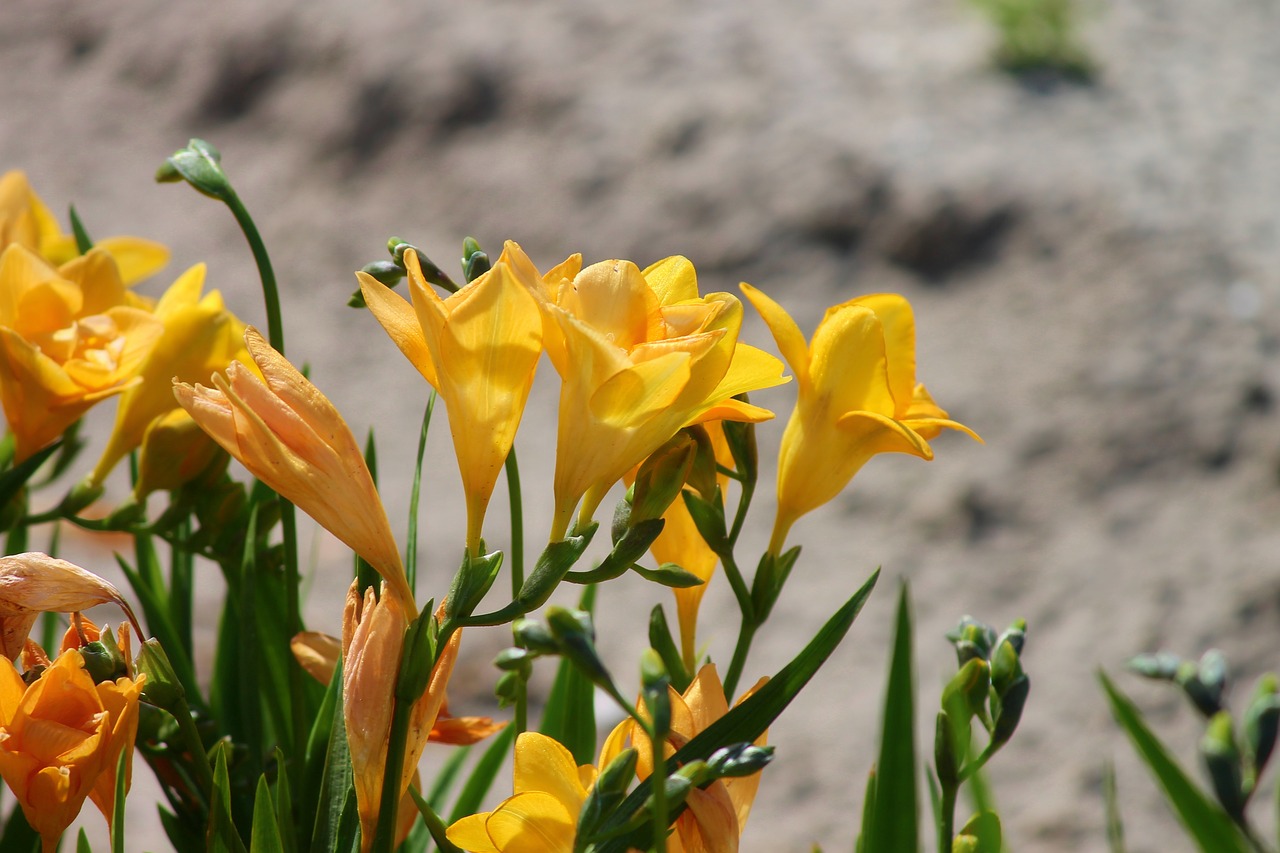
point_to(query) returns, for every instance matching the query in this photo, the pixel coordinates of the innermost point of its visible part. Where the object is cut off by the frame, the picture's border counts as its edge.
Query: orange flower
(293, 439)
(59, 737)
(717, 814)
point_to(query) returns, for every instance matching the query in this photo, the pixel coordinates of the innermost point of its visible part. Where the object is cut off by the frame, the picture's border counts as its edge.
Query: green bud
(608, 793)
(1011, 704)
(200, 165)
(669, 574)
(162, 688)
(515, 660)
(1261, 724)
(739, 759)
(396, 247)
(660, 641)
(127, 514)
(103, 659)
(1006, 667)
(704, 474)
(708, 517)
(661, 477)
(475, 262)
(387, 272)
(1205, 682)
(507, 689)
(1015, 635)
(948, 753)
(981, 834)
(972, 639)
(1222, 759)
(741, 438)
(1162, 666)
(621, 517)
(654, 686)
(533, 635)
(576, 638)
(471, 583)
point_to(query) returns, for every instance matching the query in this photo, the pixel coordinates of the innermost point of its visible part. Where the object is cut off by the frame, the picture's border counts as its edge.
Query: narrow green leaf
(266, 831)
(82, 842)
(434, 824)
(868, 813)
(336, 785)
(747, 721)
(411, 540)
(221, 835)
(117, 811)
(317, 752)
(83, 241)
(284, 808)
(570, 714)
(12, 481)
(896, 822)
(482, 776)
(1207, 824)
(1115, 823)
(366, 575)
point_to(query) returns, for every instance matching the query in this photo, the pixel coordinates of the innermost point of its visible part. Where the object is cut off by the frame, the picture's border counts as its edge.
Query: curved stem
(740, 651)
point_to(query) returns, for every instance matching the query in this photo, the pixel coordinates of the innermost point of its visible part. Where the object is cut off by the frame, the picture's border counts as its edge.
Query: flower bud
(662, 476)
(199, 164)
(1222, 759)
(1262, 723)
(739, 759)
(533, 635)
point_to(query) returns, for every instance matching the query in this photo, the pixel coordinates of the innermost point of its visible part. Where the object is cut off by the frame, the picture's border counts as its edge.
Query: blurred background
(1085, 221)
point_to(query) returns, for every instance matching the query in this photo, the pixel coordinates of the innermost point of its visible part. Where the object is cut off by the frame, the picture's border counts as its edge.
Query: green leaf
(482, 776)
(1207, 824)
(18, 835)
(284, 807)
(337, 790)
(750, 719)
(117, 811)
(434, 824)
(266, 831)
(12, 481)
(1115, 823)
(82, 842)
(570, 715)
(868, 809)
(221, 835)
(83, 241)
(660, 641)
(411, 540)
(895, 819)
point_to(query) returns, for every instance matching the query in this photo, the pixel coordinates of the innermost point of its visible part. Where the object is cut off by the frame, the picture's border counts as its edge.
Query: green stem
(947, 817)
(746, 634)
(740, 515)
(384, 839)
(199, 757)
(659, 781)
(270, 293)
(517, 523)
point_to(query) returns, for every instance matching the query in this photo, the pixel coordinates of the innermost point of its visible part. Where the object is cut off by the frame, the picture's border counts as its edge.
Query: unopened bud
(661, 477)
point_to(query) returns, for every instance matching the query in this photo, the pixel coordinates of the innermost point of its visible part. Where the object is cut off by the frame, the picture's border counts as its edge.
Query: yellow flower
(25, 220)
(373, 629)
(640, 355)
(174, 452)
(292, 438)
(200, 337)
(68, 338)
(477, 347)
(542, 814)
(857, 397)
(716, 814)
(60, 736)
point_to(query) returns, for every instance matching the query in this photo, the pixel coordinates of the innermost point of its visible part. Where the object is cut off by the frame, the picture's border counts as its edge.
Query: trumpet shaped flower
(373, 629)
(59, 737)
(716, 814)
(35, 583)
(69, 338)
(640, 355)
(542, 813)
(200, 337)
(25, 220)
(478, 348)
(858, 396)
(292, 438)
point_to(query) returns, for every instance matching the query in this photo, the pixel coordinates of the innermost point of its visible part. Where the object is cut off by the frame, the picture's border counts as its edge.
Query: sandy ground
(1093, 270)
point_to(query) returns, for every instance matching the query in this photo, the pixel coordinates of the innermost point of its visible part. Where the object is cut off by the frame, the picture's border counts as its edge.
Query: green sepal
(660, 641)
(472, 582)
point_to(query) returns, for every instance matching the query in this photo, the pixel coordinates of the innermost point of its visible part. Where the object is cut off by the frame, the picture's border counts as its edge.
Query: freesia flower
(717, 814)
(542, 814)
(26, 221)
(200, 337)
(59, 736)
(477, 347)
(640, 355)
(292, 438)
(858, 396)
(68, 338)
(35, 583)
(373, 628)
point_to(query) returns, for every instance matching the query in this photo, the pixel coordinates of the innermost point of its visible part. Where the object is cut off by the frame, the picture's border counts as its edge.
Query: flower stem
(746, 634)
(659, 781)
(947, 817)
(384, 838)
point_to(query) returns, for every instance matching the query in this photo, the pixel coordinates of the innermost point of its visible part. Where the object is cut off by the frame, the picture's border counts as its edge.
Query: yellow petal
(672, 279)
(849, 367)
(137, 258)
(898, 324)
(469, 834)
(532, 822)
(543, 764)
(786, 333)
(400, 322)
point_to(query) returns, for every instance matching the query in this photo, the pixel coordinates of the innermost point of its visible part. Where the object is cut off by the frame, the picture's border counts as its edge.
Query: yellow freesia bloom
(68, 338)
(26, 221)
(60, 736)
(478, 348)
(716, 814)
(292, 438)
(542, 814)
(640, 355)
(858, 396)
(200, 337)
